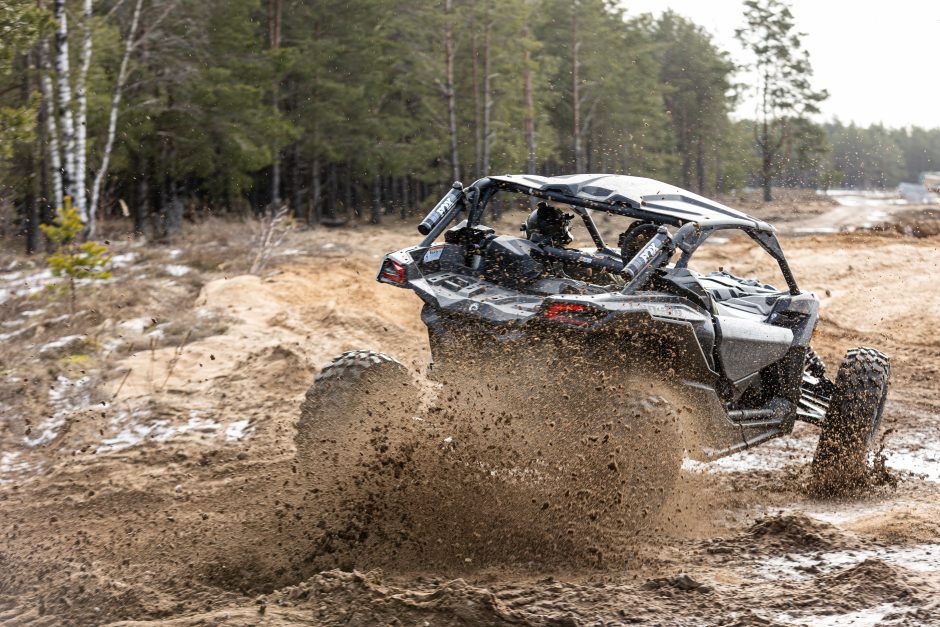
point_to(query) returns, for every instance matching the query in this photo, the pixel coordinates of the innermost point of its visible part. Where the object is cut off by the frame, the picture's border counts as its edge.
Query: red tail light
(393, 272)
(567, 313)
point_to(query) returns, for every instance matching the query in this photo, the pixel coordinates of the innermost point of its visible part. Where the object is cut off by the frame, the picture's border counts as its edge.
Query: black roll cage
(688, 237)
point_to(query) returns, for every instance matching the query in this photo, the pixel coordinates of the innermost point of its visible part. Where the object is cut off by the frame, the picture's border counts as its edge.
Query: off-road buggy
(559, 329)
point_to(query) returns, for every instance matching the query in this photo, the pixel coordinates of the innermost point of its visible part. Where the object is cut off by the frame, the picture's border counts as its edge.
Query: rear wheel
(852, 421)
(353, 412)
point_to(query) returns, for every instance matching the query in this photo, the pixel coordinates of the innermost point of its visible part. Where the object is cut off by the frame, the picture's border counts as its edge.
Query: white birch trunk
(112, 121)
(66, 120)
(48, 98)
(81, 128)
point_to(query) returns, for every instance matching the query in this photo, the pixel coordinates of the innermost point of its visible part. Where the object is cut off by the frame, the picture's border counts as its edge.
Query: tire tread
(854, 416)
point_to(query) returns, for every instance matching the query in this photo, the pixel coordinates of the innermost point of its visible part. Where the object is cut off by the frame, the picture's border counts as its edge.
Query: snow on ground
(177, 270)
(19, 283)
(868, 617)
(66, 396)
(60, 343)
(865, 198)
(800, 565)
(123, 259)
(10, 463)
(136, 427)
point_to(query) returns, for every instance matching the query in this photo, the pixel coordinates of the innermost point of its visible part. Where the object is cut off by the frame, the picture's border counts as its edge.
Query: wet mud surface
(170, 493)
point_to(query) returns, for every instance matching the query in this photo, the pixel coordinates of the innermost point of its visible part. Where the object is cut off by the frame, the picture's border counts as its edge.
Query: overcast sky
(880, 61)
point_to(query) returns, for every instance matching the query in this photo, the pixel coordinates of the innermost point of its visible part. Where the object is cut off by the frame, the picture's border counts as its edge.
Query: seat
(748, 307)
(740, 298)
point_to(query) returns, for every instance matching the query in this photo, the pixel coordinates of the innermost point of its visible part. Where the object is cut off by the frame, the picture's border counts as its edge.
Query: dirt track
(169, 493)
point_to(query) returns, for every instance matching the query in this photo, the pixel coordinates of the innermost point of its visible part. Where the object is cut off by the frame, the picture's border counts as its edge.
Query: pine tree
(782, 73)
(697, 80)
(73, 259)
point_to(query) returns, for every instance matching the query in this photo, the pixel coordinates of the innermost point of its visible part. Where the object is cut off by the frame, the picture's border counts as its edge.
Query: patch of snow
(840, 514)
(10, 463)
(11, 276)
(62, 342)
(921, 558)
(195, 424)
(909, 453)
(124, 259)
(25, 329)
(29, 313)
(177, 270)
(66, 396)
(135, 428)
(135, 325)
(810, 230)
(13, 334)
(238, 430)
(161, 430)
(868, 617)
(19, 284)
(865, 198)
(925, 461)
(174, 253)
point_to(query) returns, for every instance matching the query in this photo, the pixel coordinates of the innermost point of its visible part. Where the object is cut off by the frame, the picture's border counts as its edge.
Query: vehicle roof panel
(649, 195)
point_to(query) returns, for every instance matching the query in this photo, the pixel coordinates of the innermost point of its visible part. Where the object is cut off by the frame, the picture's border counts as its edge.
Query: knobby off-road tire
(852, 421)
(357, 407)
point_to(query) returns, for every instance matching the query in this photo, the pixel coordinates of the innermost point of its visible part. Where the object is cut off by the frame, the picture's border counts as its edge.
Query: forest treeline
(154, 109)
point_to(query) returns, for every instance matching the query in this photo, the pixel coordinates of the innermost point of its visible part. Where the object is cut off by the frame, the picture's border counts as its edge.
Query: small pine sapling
(74, 260)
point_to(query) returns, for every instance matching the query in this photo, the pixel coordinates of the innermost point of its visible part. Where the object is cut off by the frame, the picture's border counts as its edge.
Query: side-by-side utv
(735, 351)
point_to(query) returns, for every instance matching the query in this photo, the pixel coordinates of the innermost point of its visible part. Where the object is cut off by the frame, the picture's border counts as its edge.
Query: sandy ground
(162, 488)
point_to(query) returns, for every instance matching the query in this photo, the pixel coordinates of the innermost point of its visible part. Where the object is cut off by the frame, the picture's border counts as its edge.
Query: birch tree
(52, 130)
(129, 44)
(81, 119)
(66, 119)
